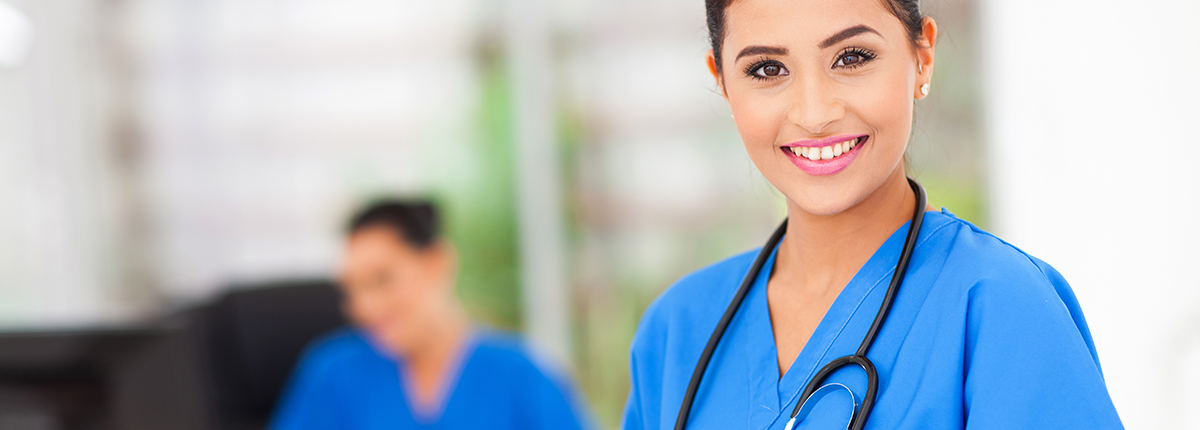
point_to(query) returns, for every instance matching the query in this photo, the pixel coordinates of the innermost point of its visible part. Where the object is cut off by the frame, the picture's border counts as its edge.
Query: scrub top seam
(925, 239)
(828, 347)
(446, 393)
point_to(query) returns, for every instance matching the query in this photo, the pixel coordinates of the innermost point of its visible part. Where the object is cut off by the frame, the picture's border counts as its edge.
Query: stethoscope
(815, 389)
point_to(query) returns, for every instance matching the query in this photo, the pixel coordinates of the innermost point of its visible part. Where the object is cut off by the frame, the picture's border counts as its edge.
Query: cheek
(759, 121)
(888, 115)
(366, 308)
(395, 316)
(398, 300)
(889, 112)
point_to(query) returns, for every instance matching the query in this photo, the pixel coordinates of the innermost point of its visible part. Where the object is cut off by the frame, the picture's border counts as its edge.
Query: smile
(825, 152)
(825, 156)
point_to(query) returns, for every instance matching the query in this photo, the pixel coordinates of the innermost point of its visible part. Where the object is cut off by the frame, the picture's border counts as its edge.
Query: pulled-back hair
(908, 11)
(413, 221)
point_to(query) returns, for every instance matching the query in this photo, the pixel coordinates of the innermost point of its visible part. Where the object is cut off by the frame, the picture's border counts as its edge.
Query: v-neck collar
(770, 393)
(434, 413)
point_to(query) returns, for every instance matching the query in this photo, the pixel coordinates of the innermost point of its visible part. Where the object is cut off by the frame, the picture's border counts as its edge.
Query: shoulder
(700, 293)
(511, 353)
(541, 386)
(682, 317)
(1001, 282)
(712, 281)
(507, 347)
(341, 348)
(331, 365)
(528, 371)
(986, 259)
(1023, 334)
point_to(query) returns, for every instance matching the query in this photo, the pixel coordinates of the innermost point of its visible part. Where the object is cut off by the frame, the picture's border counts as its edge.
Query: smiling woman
(970, 332)
(854, 77)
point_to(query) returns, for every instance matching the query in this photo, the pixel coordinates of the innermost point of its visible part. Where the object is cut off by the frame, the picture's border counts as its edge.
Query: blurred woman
(867, 306)
(416, 361)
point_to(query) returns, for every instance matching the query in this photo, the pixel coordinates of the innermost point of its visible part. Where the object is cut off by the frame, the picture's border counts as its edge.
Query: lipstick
(825, 156)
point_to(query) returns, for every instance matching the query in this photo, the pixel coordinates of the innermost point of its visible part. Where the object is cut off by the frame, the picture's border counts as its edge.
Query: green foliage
(482, 221)
(960, 195)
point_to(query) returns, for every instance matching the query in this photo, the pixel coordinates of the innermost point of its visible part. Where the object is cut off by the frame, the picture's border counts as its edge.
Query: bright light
(16, 34)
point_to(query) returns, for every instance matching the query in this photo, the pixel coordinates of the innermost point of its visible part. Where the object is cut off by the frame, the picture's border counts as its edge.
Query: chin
(392, 342)
(822, 207)
(821, 201)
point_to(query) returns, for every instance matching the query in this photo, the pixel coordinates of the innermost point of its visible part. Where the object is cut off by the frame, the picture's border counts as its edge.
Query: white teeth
(825, 152)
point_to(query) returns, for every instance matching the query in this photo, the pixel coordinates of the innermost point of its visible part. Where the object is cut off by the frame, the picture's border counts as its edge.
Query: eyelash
(753, 68)
(867, 56)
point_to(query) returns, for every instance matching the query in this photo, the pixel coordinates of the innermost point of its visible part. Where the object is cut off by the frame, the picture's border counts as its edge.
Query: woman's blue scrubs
(344, 383)
(981, 336)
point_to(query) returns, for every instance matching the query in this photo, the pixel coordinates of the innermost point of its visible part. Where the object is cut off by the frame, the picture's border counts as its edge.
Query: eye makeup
(765, 68)
(854, 57)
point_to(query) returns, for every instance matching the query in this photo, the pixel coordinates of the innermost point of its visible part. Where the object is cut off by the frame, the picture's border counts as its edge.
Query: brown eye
(767, 71)
(854, 57)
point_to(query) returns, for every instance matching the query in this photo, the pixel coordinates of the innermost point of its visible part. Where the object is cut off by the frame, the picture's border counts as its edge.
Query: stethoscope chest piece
(816, 397)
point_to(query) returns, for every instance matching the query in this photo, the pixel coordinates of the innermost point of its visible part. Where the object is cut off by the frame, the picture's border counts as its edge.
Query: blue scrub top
(345, 383)
(981, 336)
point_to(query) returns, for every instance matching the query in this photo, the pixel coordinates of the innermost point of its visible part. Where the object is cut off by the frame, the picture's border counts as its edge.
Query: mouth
(827, 156)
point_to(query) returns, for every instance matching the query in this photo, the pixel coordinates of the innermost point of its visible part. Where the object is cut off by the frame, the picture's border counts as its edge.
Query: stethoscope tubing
(694, 385)
(859, 420)
(859, 358)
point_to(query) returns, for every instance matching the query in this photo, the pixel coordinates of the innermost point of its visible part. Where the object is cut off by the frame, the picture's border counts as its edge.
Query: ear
(712, 68)
(925, 50)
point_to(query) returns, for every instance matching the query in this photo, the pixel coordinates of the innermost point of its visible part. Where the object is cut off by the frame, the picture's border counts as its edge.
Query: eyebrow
(778, 50)
(761, 50)
(846, 34)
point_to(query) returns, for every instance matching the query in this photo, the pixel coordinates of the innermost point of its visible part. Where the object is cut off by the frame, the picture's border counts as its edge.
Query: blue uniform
(981, 336)
(345, 383)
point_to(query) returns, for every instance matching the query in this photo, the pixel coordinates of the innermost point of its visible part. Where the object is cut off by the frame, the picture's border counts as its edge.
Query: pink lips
(825, 167)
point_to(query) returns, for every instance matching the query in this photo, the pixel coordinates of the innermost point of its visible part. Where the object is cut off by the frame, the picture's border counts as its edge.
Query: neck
(441, 342)
(431, 362)
(821, 253)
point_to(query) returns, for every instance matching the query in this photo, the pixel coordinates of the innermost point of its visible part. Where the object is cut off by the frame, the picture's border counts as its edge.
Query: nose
(815, 105)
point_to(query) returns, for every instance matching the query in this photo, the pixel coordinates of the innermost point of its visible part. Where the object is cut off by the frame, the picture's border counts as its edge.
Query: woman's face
(822, 94)
(393, 290)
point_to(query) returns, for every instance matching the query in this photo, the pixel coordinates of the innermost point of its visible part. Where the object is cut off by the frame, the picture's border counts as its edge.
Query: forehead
(374, 243)
(784, 22)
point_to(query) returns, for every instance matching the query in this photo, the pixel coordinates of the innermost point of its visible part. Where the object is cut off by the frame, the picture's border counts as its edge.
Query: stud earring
(925, 89)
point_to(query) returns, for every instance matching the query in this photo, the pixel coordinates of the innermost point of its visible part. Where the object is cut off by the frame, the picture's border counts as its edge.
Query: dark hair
(414, 221)
(908, 11)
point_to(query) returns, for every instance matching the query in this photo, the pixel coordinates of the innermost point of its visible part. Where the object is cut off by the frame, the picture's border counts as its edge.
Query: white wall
(60, 188)
(264, 122)
(1091, 113)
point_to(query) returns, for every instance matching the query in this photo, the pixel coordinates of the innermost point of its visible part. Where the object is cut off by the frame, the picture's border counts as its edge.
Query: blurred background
(168, 165)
